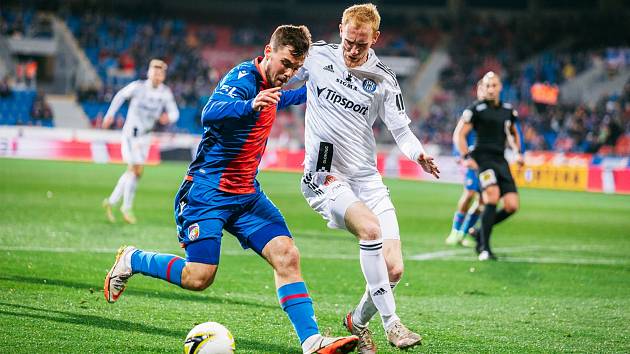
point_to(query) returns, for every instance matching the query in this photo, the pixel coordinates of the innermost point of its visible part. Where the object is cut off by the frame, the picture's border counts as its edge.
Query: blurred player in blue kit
(468, 208)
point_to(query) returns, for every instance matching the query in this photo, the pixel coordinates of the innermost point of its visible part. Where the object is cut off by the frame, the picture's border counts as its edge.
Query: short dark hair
(298, 37)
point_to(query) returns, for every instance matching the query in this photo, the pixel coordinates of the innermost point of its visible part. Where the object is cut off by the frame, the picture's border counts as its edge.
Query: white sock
(130, 191)
(310, 342)
(375, 273)
(365, 310)
(118, 190)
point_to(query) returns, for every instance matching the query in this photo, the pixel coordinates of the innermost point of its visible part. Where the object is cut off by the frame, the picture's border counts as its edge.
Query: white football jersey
(342, 105)
(146, 105)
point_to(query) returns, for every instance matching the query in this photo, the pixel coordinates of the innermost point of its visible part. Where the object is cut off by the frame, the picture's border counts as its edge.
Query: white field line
(460, 254)
(457, 255)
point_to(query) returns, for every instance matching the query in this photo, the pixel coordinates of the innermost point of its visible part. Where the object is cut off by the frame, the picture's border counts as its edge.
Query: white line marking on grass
(459, 254)
(456, 255)
(440, 254)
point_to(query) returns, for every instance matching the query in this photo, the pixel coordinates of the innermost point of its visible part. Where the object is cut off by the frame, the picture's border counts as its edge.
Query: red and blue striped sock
(158, 265)
(458, 220)
(471, 220)
(298, 305)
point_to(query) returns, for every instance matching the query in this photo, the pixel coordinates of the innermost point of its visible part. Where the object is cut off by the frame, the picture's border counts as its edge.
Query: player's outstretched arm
(119, 98)
(409, 144)
(514, 140)
(292, 97)
(172, 113)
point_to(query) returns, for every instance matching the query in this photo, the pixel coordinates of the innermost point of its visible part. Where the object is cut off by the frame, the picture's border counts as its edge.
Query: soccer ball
(209, 338)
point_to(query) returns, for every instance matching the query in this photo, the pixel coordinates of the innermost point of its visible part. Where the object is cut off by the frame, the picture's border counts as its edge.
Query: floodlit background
(562, 282)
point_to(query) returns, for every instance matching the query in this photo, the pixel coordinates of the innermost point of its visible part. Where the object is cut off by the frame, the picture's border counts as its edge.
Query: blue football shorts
(471, 181)
(202, 213)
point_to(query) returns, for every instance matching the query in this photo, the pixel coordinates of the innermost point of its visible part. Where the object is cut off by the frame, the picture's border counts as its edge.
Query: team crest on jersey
(193, 232)
(369, 85)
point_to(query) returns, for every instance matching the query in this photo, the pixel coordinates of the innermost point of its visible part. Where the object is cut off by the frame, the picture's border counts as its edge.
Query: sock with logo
(365, 310)
(375, 273)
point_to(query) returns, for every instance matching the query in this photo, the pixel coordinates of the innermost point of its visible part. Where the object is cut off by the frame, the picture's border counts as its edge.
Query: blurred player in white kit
(149, 99)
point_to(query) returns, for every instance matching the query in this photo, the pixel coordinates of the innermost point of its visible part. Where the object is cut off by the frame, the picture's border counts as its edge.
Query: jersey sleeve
(292, 97)
(393, 108)
(120, 97)
(468, 115)
(232, 98)
(171, 107)
(302, 74)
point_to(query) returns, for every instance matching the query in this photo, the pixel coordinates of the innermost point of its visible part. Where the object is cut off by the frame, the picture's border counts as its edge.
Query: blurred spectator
(5, 88)
(40, 109)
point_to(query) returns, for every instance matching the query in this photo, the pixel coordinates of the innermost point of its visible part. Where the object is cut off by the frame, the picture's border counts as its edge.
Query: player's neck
(356, 65)
(264, 62)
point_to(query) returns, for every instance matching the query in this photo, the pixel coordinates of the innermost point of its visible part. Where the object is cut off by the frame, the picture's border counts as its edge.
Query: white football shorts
(330, 195)
(135, 150)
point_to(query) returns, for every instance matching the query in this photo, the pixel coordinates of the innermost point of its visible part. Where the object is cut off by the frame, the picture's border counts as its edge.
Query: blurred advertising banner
(66, 145)
(576, 172)
(553, 171)
(542, 169)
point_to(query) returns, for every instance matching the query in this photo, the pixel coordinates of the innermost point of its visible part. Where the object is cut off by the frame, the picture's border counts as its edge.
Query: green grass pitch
(563, 284)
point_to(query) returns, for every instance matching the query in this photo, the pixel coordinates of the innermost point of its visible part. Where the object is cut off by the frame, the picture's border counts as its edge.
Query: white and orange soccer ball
(209, 338)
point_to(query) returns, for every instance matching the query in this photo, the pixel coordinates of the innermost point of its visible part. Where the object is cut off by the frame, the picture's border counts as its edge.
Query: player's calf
(198, 276)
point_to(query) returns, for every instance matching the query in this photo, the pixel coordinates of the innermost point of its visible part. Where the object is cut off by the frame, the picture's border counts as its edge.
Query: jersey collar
(257, 61)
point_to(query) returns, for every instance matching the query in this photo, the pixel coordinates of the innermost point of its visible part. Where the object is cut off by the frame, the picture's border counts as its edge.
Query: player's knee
(287, 259)
(511, 208)
(197, 279)
(369, 231)
(491, 195)
(395, 272)
(470, 195)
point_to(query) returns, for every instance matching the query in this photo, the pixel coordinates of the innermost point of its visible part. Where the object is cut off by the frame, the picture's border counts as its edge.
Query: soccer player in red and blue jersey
(220, 191)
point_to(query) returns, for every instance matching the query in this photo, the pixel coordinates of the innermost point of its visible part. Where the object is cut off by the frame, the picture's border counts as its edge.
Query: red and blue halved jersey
(235, 136)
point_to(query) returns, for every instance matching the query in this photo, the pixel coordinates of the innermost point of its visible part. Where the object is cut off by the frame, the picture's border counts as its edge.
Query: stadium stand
(525, 50)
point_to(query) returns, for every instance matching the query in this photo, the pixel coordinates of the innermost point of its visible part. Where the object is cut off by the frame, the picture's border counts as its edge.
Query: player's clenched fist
(266, 98)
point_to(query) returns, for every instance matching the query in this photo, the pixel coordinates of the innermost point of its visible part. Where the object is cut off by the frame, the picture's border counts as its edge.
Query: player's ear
(376, 34)
(268, 50)
(340, 30)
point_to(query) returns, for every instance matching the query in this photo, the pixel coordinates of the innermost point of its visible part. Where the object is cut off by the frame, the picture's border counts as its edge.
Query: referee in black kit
(494, 123)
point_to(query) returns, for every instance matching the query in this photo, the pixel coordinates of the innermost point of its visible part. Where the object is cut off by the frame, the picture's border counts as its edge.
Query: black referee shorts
(495, 170)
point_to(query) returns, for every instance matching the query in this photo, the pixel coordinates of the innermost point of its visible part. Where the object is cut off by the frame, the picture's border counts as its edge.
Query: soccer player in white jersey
(148, 101)
(348, 89)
